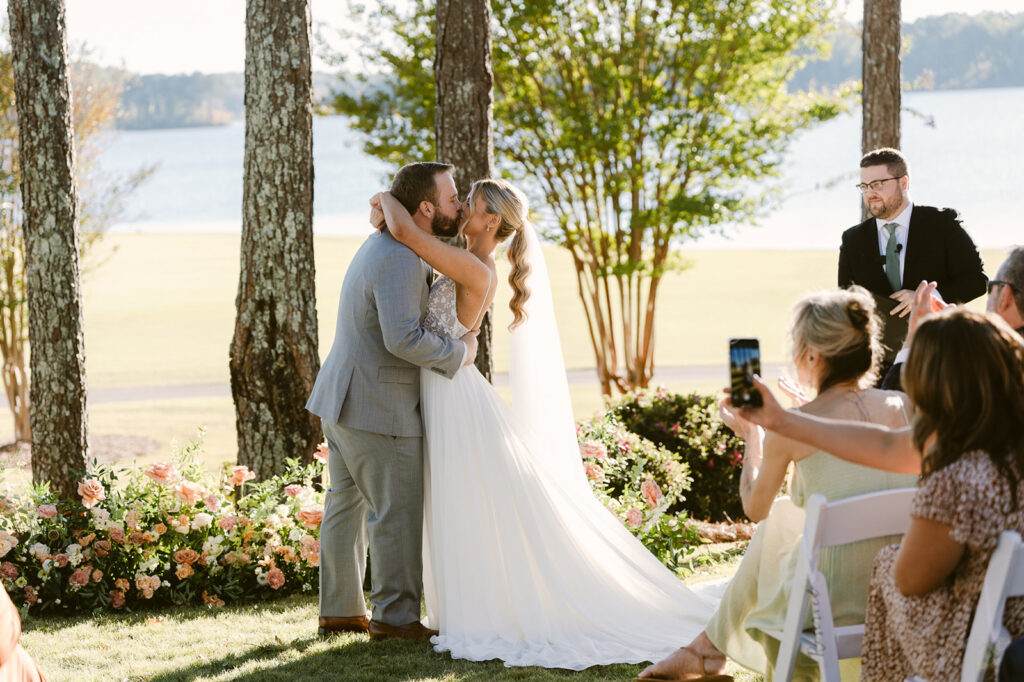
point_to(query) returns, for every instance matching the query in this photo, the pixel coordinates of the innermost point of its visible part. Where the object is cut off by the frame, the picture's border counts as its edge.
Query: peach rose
(212, 502)
(593, 449)
(293, 490)
(240, 474)
(185, 556)
(275, 578)
(86, 539)
(212, 600)
(159, 529)
(46, 511)
(162, 472)
(122, 584)
(101, 547)
(321, 453)
(184, 571)
(310, 550)
(652, 493)
(634, 517)
(188, 492)
(117, 598)
(137, 537)
(117, 535)
(92, 492)
(60, 559)
(227, 523)
(310, 516)
(97, 575)
(594, 472)
(80, 577)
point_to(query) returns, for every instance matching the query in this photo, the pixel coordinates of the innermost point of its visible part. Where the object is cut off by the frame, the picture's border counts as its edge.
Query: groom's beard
(443, 226)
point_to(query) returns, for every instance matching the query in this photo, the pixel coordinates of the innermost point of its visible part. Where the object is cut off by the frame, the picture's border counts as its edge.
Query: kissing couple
(482, 508)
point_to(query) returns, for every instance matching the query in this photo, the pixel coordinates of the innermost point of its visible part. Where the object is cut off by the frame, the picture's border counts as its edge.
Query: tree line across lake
(947, 52)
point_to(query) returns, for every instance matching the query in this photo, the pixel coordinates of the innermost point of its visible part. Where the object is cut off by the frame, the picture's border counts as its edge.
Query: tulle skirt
(526, 568)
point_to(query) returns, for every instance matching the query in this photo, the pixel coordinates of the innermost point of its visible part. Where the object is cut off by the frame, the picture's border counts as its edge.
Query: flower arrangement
(638, 482)
(690, 428)
(172, 534)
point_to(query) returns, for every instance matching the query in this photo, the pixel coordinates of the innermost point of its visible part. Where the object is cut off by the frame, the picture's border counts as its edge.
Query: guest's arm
(765, 460)
(927, 557)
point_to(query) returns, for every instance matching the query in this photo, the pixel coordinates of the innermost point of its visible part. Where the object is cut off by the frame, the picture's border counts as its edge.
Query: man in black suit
(903, 244)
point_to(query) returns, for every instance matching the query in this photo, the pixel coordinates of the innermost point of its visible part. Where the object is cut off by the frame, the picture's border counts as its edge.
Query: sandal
(705, 677)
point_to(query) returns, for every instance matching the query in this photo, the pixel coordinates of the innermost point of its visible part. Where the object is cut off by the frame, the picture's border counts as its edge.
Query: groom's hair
(414, 182)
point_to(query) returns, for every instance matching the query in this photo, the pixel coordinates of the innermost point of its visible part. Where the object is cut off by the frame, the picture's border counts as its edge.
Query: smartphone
(744, 363)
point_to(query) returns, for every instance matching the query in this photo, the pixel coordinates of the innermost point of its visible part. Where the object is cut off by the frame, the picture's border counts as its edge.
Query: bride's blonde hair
(508, 202)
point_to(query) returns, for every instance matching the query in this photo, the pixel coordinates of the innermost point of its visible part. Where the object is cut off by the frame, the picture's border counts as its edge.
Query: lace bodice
(442, 316)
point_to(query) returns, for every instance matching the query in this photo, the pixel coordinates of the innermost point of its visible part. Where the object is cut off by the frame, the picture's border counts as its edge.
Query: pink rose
(212, 502)
(8, 570)
(162, 472)
(594, 472)
(275, 578)
(310, 516)
(227, 523)
(30, 595)
(60, 559)
(321, 453)
(310, 550)
(293, 490)
(117, 535)
(652, 493)
(240, 475)
(117, 598)
(593, 449)
(46, 511)
(634, 518)
(80, 577)
(92, 492)
(188, 492)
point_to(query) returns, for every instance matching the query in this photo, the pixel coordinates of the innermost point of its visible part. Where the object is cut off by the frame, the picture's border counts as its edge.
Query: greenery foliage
(639, 125)
(689, 427)
(173, 534)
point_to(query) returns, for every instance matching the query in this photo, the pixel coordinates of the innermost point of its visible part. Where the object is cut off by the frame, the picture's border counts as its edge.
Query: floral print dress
(926, 635)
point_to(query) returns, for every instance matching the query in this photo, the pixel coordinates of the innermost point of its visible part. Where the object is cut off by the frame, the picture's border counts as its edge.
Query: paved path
(577, 377)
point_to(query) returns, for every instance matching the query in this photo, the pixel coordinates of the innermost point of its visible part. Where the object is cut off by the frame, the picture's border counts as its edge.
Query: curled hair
(843, 328)
(504, 200)
(965, 376)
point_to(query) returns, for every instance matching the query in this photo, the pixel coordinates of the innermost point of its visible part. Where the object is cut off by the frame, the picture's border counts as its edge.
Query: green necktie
(892, 257)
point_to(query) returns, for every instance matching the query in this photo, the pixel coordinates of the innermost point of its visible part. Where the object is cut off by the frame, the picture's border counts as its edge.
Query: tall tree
(463, 119)
(274, 358)
(47, 156)
(881, 71)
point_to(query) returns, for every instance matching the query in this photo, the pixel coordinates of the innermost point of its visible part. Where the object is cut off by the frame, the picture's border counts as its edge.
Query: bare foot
(685, 663)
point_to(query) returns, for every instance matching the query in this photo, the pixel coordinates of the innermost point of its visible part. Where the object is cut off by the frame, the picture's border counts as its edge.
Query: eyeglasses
(875, 185)
(993, 283)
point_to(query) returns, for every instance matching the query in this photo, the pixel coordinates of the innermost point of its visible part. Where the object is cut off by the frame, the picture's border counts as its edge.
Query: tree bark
(59, 422)
(463, 122)
(274, 358)
(882, 75)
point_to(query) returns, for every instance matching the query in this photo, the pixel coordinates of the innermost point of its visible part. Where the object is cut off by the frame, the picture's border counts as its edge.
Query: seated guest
(15, 664)
(965, 376)
(836, 350)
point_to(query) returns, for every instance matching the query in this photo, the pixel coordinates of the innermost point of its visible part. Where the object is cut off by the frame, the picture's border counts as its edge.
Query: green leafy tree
(639, 125)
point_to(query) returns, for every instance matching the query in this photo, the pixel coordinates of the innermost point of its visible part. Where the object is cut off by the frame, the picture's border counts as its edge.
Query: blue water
(970, 159)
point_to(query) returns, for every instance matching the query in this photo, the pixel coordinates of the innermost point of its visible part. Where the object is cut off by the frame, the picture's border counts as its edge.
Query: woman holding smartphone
(836, 350)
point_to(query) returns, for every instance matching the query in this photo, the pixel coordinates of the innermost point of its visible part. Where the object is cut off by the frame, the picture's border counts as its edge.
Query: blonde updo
(843, 327)
(508, 202)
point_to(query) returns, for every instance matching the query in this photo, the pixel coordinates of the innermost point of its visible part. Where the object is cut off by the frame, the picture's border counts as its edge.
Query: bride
(522, 563)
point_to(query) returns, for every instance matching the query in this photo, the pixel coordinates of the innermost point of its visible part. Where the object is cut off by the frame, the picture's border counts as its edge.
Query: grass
(268, 641)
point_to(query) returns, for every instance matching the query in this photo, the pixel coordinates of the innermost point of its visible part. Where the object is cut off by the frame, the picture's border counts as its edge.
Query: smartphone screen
(744, 363)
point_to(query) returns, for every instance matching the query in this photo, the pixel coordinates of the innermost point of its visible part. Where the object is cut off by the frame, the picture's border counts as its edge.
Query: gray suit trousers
(376, 493)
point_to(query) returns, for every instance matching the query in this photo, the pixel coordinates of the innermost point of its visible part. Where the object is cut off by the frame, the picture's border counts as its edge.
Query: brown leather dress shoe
(414, 630)
(331, 625)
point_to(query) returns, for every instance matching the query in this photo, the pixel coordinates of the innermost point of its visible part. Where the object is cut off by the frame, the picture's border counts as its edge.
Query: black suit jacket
(938, 250)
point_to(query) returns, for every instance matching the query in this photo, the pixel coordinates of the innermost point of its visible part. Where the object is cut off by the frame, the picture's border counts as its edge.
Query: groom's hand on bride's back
(469, 338)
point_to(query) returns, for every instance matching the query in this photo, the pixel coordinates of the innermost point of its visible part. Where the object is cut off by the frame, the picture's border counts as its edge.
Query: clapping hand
(795, 392)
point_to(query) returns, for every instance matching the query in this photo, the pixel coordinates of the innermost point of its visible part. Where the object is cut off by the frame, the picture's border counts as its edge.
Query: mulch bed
(102, 447)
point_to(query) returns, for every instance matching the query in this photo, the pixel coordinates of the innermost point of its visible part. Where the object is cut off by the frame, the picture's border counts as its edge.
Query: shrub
(689, 427)
(173, 534)
(638, 482)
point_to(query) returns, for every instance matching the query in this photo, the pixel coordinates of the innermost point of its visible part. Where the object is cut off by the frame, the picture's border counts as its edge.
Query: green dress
(758, 594)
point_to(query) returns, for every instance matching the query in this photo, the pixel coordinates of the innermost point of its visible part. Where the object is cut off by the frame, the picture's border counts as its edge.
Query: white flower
(100, 515)
(212, 546)
(21, 582)
(165, 583)
(7, 542)
(202, 520)
(273, 520)
(261, 578)
(306, 587)
(148, 566)
(74, 552)
(48, 564)
(39, 549)
(295, 535)
(282, 510)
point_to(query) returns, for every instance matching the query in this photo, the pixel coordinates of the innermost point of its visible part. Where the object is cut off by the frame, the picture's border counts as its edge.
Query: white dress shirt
(903, 220)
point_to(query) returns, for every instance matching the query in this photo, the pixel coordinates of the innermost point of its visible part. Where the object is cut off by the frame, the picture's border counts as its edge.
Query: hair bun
(859, 316)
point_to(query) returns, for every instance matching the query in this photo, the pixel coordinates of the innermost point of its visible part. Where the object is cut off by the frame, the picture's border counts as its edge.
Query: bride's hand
(377, 213)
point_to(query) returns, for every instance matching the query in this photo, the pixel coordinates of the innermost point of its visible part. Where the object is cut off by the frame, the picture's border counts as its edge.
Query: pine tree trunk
(57, 357)
(882, 75)
(274, 358)
(463, 123)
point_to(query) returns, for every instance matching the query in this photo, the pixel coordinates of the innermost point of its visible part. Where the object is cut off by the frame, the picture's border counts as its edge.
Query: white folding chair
(1004, 578)
(827, 525)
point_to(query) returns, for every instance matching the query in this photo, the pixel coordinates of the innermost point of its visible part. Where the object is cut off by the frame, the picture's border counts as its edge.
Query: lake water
(969, 159)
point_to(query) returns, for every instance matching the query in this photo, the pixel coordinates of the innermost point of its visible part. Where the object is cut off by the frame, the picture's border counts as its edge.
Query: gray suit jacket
(371, 378)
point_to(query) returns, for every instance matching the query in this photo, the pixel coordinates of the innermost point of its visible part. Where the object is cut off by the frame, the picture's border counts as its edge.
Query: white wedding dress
(521, 562)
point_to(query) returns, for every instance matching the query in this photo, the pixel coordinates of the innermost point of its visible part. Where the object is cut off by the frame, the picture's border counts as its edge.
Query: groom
(367, 395)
